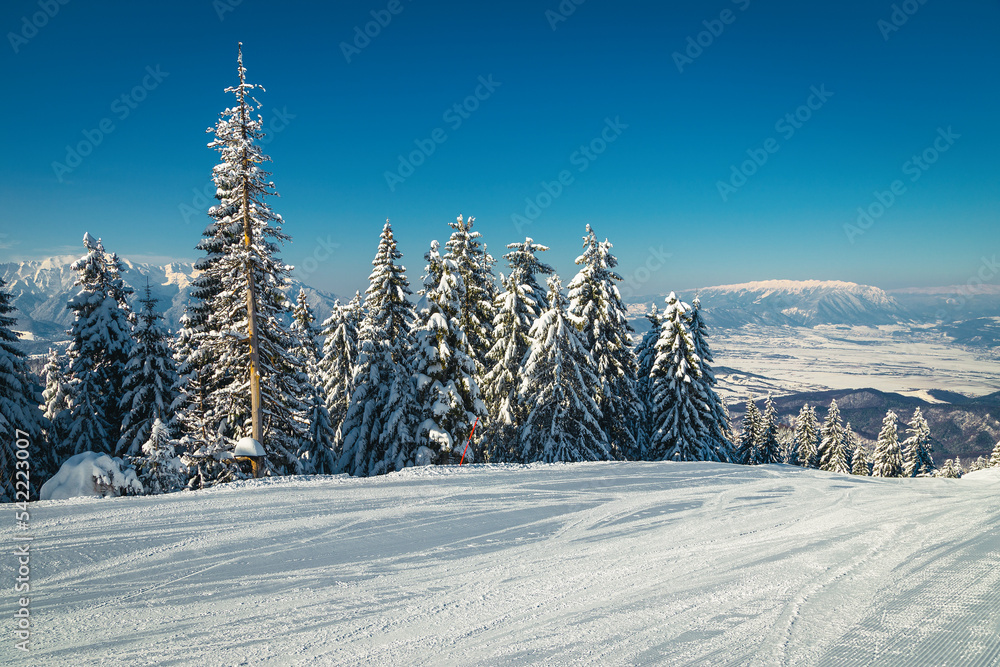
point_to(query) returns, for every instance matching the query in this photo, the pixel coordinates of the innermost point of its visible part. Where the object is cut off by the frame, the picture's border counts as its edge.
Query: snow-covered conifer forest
(478, 361)
(461, 390)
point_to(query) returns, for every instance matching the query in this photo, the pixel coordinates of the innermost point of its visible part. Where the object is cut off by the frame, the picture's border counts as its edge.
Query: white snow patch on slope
(604, 563)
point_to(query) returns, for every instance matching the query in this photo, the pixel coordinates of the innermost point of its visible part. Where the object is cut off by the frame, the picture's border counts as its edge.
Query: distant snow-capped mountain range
(798, 303)
(808, 303)
(42, 289)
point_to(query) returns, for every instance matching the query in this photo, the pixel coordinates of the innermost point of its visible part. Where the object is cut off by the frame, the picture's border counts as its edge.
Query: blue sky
(642, 137)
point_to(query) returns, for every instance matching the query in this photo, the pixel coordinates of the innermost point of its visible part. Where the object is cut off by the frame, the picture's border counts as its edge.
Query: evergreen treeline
(834, 447)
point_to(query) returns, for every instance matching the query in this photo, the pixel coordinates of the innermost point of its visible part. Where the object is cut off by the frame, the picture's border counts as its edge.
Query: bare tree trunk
(255, 406)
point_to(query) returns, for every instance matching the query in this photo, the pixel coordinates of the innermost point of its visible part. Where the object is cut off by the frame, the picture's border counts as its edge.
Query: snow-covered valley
(906, 359)
(560, 564)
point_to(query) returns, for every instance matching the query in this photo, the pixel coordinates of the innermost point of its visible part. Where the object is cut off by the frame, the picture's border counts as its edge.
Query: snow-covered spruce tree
(316, 454)
(505, 365)
(748, 450)
(831, 444)
(209, 461)
(563, 420)
(191, 408)
(786, 440)
(770, 450)
(995, 455)
(596, 308)
(100, 343)
(717, 418)
(807, 437)
(980, 463)
(917, 461)
(952, 469)
(645, 355)
(840, 453)
(244, 271)
(517, 308)
(382, 400)
(474, 266)
(680, 410)
(859, 457)
(56, 412)
(447, 390)
(887, 461)
(340, 355)
(304, 333)
(150, 387)
(315, 451)
(157, 465)
(19, 405)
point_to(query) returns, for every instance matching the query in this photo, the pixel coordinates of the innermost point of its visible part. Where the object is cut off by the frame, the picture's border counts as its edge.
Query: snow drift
(91, 474)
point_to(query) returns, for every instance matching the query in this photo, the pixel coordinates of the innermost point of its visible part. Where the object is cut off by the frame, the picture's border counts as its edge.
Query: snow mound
(91, 474)
(985, 475)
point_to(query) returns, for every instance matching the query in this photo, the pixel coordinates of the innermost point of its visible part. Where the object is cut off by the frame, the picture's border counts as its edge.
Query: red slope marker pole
(468, 441)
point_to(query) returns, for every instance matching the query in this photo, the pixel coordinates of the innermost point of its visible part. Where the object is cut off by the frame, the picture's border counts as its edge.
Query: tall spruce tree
(100, 343)
(304, 334)
(563, 419)
(447, 389)
(382, 389)
(917, 460)
(517, 308)
(807, 437)
(20, 416)
(245, 274)
(56, 412)
(840, 455)
(505, 365)
(597, 310)
(681, 412)
(831, 445)
(340, 356)
(474, 266)
(859, 457)
(770, 450)
(717, 418)
(749, 448)
(150, 388)
(887, 460)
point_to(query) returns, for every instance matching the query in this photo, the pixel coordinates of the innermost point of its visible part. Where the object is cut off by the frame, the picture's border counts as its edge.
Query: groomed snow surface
(562, 564)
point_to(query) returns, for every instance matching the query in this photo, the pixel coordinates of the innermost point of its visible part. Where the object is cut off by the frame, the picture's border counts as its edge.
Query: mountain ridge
(803, 303)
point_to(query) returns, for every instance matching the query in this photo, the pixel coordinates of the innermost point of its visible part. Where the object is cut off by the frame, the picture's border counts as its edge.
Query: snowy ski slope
(564, 564)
